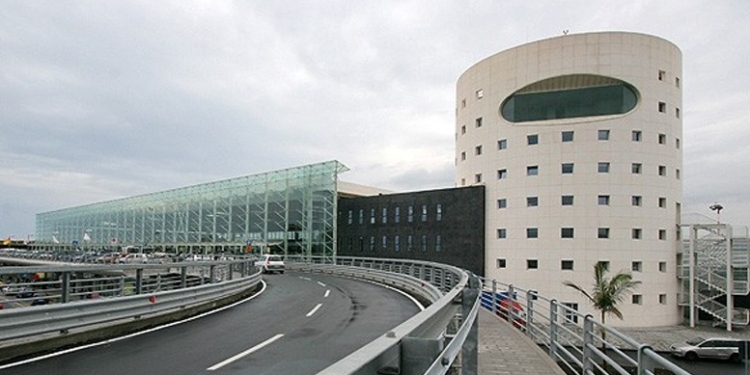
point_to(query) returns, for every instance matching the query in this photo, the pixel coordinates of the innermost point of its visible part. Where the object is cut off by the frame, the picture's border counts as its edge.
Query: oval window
(570, 97)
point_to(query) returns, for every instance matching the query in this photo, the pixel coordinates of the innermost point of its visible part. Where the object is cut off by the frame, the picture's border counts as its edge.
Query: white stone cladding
(653, 66)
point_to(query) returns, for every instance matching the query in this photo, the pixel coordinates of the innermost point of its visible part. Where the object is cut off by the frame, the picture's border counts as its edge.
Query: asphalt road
(301, 324)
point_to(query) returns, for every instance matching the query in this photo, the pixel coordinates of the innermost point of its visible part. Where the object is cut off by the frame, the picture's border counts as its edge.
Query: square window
(662, 202)
(603, 200)
(636, 168)
(501, 233)
(502, 203)
(532, 201)
(662, 75)
(636, 266)
(662, 234)
(662, 170)
(502, 174)
(662, 266)
(532, 170)
(566, 265)
(463, 155)
(571, 312)
(532, 264)
(662, 139)
(605, 264)
(603, 167)
(478, 122)
(603, 134)
(532, 139)
(637, 135)
(602, 233)
(478, 178)
(502, 144)
(663, 299)
(566, 200)
(500, 262)
(636, 200)
(532, 232)
(567, 232)
(567, 168)
(662, 107)
(478, 150)
(480, 94)
(636, 233)
(567, 136)
(637, 299)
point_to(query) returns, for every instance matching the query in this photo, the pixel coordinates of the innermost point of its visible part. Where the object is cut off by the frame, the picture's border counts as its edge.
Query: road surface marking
(328, 292)
(314, 310)
(321, 284)
(246, 352)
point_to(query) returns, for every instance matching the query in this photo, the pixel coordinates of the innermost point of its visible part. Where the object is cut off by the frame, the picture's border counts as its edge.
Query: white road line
(246, 352)
(328, 292)
(321, 284)
(314, 310)
(305, 278)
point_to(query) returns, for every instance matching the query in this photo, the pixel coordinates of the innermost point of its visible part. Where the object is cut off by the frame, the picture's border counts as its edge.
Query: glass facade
(291, 211)
(575, 102)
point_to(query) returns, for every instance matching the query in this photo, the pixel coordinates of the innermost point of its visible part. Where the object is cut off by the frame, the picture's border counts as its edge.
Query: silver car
(270, 263)
(714, 348)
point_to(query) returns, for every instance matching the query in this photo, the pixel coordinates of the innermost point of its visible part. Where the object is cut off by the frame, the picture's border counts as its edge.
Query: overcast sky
(107, 99)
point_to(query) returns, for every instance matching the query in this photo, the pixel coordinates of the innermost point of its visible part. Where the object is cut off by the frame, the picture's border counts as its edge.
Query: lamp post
(717, 207)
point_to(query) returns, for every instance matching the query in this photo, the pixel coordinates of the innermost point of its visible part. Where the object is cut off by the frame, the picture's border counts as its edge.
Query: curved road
(300, 325)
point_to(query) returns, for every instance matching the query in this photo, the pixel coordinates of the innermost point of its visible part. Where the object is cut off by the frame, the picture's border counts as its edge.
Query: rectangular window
(372, 243)
(463, 155)
(396, 244)
(532, 232)
(662, 266)
(571, 312)
(532, 170)
(438, 243)
(566, 200)
(566, 265)
(662, 107)
(603, 134)
(677, 142)
(603, 200)
(636, 168)
(637, 135)
(480, 94)
(662, 234)
(663, 299)
(478, 178)
(439, 212)
(677, 173)
(385, 215)
(424, 243)
(605, 264)
(567, 136)
(603, 232)
(636, 200)
(361, 216)
(662, 170)
(532, 201)
(662, 139)
(478, 122)
(384, 243)
(677, 112)
(478, 150)
(532, 139)
(463, 129)
(502, 144)
(424, 213)
(637, 299)
(409, 243)
(567, 168)
(396, 215)
(410, 213)
(603, 167)
(636, 266)
(500, 263)
(662, 75)
(501, 233)
(566, 232)
(502, 174)
(662, 202)
(502, 203)
(677, 81)
(350, 217)
(636, 233)
(372, 216)
(532, 264)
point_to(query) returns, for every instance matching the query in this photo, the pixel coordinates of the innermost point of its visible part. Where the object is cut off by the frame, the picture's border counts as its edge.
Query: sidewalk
(506, 350)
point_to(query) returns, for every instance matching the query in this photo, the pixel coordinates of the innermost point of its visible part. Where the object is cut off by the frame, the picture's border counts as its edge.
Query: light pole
(717, 207)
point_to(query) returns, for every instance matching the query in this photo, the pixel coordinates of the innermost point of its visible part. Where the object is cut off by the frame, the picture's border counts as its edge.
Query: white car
(133, 259)
(714, 348)
(270, 263)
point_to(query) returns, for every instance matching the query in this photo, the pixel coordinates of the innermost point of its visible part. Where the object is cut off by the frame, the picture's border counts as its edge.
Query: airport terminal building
(568, 153)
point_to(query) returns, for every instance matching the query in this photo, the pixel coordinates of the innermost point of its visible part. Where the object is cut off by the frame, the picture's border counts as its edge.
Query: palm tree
(607, 294)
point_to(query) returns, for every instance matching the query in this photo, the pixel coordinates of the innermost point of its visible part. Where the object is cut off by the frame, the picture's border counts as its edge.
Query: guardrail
(79, 296)
(431, 341)
(575, 341)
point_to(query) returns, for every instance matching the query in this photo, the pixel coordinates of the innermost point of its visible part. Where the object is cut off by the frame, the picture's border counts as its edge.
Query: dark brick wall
(457, 238)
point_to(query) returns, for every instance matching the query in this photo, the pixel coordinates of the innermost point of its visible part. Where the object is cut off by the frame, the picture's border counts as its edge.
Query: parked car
(270, 263)
(136, 258)
(108, 258)
(713, 348)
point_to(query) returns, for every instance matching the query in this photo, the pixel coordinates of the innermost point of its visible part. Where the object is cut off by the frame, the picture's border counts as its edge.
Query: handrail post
(553, 329)
(494, 297)
(65, 297)
(139, 281)
(469, 351)
(646, 364)
(511, 314)
(530, 295)
(588, 342)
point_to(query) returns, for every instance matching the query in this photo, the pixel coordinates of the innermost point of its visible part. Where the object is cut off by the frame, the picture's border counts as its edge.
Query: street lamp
(717, 207)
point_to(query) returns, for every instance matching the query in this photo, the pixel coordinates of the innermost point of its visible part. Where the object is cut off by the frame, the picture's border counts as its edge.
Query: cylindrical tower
(578, 142)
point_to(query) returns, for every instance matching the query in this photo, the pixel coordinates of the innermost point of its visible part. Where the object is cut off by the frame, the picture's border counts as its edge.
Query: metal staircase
(713, 269)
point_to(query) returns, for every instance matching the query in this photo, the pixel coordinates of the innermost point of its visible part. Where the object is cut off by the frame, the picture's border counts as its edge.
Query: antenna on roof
(565, 32)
